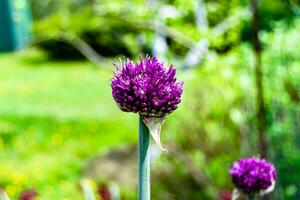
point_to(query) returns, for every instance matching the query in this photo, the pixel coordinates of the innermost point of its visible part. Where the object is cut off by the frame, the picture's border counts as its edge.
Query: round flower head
(147, 87)
(28, 195)
(253, 175)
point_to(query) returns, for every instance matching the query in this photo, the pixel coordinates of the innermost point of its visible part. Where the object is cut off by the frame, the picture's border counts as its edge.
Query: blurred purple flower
(28, 195)
(147, 87)
(103, 192)
(224, 195)
(253, 175)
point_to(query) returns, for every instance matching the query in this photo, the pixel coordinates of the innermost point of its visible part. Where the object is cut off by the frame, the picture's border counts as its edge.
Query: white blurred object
(87, 189)
(160, 45)
(168, 11)
(198, 51)
(155, 152)
(152, 3)
(196, 54)
(235, 194)
(201, 14)
(3, 195)
(114, 191)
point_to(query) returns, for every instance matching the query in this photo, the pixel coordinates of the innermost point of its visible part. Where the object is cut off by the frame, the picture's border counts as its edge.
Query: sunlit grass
(53, 118)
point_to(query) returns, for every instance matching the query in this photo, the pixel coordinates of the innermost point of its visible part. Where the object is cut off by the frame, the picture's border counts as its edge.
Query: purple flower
(104, 193)
(253, 175)
(28, 195)
(147, 87)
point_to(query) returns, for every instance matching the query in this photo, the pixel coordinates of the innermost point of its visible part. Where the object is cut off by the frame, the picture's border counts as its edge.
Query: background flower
(28, 195)
(252, 175)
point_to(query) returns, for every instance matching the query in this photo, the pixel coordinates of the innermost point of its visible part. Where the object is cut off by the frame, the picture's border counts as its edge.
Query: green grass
(54, 117)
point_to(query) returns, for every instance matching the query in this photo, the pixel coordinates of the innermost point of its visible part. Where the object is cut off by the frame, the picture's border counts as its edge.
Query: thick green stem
(144, 162)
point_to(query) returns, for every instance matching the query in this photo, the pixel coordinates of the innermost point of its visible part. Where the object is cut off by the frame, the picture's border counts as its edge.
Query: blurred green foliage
(282, 73)
(128, 27)
(110, 29)
(217, 123)
(106, 27)
(45, 124)
(51, 124)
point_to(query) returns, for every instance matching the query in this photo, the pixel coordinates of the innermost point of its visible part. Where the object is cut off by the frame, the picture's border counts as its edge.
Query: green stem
(144, 162)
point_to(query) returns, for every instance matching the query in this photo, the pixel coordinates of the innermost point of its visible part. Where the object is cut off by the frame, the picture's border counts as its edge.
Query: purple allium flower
(147, 87)
(253, 175)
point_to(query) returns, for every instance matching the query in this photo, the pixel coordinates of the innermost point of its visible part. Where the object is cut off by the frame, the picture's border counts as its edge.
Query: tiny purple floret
(146, 87)
(253, 175)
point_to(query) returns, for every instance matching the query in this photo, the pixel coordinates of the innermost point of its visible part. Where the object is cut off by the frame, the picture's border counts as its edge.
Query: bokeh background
(62, 136)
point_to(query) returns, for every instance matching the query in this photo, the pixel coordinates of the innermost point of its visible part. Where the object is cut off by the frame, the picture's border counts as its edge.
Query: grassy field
(54, 117)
